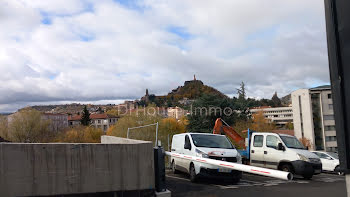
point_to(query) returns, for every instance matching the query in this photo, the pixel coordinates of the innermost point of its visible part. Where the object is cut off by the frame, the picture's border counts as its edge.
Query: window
(187, 141)
(329, 96)
(328, 117)
(99, 121)
(258, 141)
(331, 138)
(330, 106)
(211, 141)
(272, 141)
(329, 128)
(322, 155)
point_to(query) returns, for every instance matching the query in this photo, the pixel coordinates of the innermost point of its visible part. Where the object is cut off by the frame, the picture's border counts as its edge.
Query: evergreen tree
(207, 109)
(276, 101)
(241, 91)
(85, 118)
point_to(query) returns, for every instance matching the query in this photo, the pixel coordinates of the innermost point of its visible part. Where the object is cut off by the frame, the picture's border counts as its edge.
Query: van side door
(272, 156)
(257, 150)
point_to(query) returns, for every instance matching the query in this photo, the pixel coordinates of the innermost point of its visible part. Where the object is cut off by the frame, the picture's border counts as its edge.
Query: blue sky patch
(131, 4)
(180, 31)
(46, 19)
(265, 34)
(86, 37)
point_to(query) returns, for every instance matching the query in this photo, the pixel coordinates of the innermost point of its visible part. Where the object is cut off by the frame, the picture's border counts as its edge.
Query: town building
(278, 115)
(101, 121)
(58, 121)
(127, 105)
(313, 117)
(176, 112)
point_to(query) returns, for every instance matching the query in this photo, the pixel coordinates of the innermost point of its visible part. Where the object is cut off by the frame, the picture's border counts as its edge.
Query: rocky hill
(182, 95)
(193, 90)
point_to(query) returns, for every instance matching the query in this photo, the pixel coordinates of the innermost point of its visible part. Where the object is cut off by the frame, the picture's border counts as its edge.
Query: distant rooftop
(323, 87)
(92, 117)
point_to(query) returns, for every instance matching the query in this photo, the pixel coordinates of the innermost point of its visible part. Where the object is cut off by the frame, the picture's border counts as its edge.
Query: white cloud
(103, 50)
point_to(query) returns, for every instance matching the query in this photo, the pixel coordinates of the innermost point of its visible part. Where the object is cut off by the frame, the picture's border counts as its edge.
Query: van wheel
(308, 177)
(173, 167)
(235, 180)
(287, 168)
(193, 176)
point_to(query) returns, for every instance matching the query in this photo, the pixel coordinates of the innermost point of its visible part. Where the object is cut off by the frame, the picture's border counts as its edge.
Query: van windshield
(211, 141)
(292, 142)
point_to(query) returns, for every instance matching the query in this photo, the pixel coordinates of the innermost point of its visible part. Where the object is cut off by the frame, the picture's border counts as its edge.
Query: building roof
(323, 87)
(92, 117)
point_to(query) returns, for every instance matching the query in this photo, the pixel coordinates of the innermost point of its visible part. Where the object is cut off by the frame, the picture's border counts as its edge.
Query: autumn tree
(81, 134)
(289, 125)
(85, 118)
(167, 127)
(28, 126)
(4, 127)
(306, 142)
(260, 123)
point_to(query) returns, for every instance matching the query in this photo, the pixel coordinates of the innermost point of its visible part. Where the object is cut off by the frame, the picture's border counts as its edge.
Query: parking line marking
(226, 187)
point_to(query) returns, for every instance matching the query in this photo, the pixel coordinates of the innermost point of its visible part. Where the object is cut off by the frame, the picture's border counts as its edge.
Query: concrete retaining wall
(105, 139)
(59, 168)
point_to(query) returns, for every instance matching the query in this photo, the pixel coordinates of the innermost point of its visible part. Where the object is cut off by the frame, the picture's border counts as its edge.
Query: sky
(107, 51)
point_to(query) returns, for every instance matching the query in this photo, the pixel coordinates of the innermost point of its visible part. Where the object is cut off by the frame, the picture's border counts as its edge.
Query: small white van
(204, 145)
(283, 152)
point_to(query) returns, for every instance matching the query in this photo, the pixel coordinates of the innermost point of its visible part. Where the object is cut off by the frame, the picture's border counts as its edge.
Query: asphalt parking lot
(253, 185)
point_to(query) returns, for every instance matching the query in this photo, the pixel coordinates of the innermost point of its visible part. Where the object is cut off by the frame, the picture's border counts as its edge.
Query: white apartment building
(279, 115)
(313, 117)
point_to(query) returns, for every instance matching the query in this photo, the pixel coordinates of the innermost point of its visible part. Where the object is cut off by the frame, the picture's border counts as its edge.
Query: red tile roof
(92, 117)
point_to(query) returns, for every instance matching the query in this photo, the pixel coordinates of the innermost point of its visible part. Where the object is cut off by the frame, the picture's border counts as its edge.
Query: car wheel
(338, 171)
(193, 176)
(173, 168)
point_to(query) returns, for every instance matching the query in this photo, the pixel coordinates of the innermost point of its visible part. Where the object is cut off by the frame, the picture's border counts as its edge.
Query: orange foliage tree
(260, 123)
(81, 134)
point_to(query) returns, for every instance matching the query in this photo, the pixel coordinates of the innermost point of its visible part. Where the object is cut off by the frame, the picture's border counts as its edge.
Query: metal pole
(127, 134)
(168, 144)
(157, 135)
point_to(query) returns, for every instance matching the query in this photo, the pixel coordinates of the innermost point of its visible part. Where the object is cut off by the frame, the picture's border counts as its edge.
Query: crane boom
(219, 128)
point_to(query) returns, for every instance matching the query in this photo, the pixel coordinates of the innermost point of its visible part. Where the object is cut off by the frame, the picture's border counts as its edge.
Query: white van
(207, 146)
(283, 152)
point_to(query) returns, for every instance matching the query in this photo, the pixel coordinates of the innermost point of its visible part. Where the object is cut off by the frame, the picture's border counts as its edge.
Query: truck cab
(282, 152)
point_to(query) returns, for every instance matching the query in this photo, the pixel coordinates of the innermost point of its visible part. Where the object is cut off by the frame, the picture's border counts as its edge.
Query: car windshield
(292, 142)
(334, 155)
(211, 141)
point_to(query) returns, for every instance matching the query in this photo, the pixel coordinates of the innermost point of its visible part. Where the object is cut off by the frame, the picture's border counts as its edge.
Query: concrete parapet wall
(105, 139)
(60, 168)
